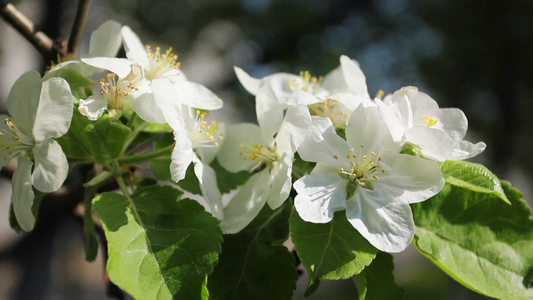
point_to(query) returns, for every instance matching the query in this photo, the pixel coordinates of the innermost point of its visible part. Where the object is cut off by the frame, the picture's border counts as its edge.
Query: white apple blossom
(155, 66)
(267, 151)
(196, 141)
(40, 112)
(119, 94)
(367, 177)
(436, 133)
(335, 96)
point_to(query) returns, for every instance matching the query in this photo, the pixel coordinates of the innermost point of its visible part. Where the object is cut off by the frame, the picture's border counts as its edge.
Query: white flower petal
(293, 129)
(247, 203)
(248, 82)
(22, 195)
(181, 156)
(366, 128)
(410, 179)
(235, 136)
(165, 99)
(269, 110)
(23, 101)
(143, 102)
(196, 95)
(465, 150)
(452, 121)
(93, 108)
(134, 47)
(354, 77)
(432, 143)
(322, 143)
(420, 103)
(389, 228)
(393, 118)
(319, 197)
(207, 154)
(120, 66)
(348, 101)
(280, 176)
(208, 185)
(333, 82)
(51, 166)
(55, 109)
(105, 40)
(279, 83)
(74, 65)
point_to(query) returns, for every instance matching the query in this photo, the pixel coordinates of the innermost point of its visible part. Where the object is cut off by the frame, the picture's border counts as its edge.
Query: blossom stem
(137, 159)
(115, 167)
(123, 187)
(134, 133)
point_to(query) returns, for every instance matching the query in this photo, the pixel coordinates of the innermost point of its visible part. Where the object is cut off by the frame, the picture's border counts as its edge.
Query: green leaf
(156, 128)
(74, 143)
(228, 181)
(474, 177)
(480, 241)
(75, 79)
(160, 166)
(107, 138)
(333, 250)
(376, 282)
(254, 264)
(102, 139)
(300, 167)
(190, 183)
(160, 247)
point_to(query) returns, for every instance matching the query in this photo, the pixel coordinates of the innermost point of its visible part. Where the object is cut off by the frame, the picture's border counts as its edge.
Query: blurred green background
(475, 55)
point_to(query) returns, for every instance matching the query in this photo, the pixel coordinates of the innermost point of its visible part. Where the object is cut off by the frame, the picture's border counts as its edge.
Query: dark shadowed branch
(77, 28)
(25, 26)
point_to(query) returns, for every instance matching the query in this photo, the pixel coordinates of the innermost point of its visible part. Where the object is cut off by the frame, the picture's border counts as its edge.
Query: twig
(24, 26)
(77, 28)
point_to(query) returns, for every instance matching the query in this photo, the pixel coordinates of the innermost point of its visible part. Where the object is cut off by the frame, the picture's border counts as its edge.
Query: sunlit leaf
(333, 250)
(479, 240)
(474, 177)
(160, 247)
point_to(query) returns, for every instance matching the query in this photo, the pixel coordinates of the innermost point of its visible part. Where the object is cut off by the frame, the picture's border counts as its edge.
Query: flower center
(260, 154)
(307, 83)
(203, 134)
(11, 142)
(362, 170)
(429, 121)
(114, 91)
(159, 64)
(332, 109)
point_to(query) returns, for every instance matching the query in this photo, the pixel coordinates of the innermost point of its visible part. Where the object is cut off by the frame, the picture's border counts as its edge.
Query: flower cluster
(371, 157)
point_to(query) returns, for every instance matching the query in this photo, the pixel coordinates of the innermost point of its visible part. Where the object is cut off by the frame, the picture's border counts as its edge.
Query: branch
(77, 28)
(24, 26)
